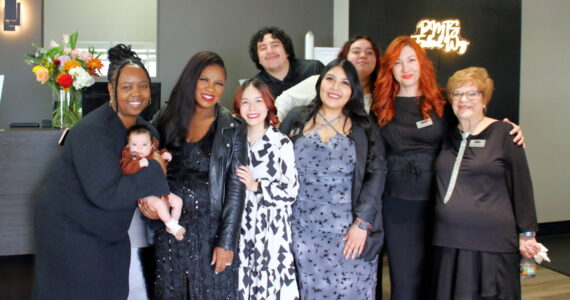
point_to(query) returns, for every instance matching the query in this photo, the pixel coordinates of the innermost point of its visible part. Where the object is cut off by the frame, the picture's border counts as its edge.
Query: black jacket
(299, 70)
(83, 212)
(368, 179)
(227, 193)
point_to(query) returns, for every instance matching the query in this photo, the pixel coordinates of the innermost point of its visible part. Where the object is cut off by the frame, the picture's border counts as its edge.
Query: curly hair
(387, 88)
(268, 99)
(277, 33)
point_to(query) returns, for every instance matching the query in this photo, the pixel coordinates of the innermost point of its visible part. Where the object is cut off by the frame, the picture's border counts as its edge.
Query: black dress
(83, 212)
(476, 231)
(408, 199)
(184, 269)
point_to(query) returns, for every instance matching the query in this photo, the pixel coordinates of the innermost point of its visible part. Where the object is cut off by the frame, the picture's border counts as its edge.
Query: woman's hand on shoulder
(147, 209)
(221, 259)
(246, 177)
(517, 131)
(355, 239)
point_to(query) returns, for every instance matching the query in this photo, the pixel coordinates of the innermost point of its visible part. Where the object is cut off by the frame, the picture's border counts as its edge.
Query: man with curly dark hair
(271, 49)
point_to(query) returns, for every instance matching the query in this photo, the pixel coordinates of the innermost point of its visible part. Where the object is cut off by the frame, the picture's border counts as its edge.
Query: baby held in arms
(134, 157)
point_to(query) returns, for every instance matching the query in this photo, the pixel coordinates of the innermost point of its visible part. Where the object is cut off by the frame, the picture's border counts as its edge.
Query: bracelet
(527, 234)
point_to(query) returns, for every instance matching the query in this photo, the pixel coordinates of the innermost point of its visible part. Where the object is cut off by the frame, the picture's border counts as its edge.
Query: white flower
(81, 78)
(65, 38)
(53, 44)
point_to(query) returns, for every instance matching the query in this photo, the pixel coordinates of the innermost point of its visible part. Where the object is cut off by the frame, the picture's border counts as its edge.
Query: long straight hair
(174, 120)
(354, 108)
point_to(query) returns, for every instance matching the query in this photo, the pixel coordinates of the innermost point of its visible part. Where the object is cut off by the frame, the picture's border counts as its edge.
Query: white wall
(97, 21)
(545, 103)
(340, 22)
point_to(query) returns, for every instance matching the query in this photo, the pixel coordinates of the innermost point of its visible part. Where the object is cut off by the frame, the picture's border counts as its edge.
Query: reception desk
(25, 159)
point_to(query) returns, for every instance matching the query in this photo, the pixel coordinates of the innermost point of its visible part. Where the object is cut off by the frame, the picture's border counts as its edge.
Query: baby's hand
(167, 156)
(143, 162)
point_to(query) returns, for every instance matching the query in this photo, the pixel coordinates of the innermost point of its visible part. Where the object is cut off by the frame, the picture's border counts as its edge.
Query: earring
(149, 101)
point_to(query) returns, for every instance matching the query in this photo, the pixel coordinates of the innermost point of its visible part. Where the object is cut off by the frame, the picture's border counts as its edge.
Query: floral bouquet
(67, 71)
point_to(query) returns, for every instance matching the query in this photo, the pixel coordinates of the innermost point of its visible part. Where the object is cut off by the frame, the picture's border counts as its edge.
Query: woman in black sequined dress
(207, 144)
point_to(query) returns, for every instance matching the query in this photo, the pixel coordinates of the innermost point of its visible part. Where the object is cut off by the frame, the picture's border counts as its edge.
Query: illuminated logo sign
(444, 35)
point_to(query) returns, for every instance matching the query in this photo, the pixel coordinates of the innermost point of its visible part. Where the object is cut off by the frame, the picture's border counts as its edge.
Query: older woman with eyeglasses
(485, 216)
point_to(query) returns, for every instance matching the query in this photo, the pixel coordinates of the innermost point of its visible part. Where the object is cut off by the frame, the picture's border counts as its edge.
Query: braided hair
(120, 56)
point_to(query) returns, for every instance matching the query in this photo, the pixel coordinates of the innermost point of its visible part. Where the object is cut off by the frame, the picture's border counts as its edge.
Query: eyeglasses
(471, 95)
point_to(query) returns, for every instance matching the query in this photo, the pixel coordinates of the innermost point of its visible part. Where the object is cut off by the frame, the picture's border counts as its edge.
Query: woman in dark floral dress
(337, 221)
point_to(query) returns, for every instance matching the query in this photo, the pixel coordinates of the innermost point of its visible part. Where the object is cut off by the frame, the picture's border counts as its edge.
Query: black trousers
(408, 227)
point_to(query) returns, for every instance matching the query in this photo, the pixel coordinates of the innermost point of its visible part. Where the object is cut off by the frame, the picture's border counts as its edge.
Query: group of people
(297, 192)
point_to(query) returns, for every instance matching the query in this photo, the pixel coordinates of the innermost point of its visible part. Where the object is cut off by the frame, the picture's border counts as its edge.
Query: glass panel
(104, 23)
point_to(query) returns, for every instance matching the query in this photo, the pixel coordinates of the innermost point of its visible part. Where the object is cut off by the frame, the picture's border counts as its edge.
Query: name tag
(477, 143)
(424, 123)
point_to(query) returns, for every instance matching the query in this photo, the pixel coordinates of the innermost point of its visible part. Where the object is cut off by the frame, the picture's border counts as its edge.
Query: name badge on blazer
(477, 143)
(424, 123)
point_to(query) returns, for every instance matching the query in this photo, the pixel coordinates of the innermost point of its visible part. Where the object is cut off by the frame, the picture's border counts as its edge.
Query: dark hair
(173, 122)
(139, 129)
(354, 108)
(268, 99)
(120, 56)
(346, 48)
(277, 33)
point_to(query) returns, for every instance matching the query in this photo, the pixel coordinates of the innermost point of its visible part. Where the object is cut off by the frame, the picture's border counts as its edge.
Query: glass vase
(66, 108)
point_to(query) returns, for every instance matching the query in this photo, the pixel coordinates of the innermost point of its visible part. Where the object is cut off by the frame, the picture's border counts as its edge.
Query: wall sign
(444, 35)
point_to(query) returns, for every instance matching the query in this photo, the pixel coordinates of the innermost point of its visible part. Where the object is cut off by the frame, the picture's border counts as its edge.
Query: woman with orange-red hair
(410, 110)
(267, 268)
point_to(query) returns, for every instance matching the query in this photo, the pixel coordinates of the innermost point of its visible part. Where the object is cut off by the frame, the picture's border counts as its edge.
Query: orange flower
(94, 64)
(70, 64)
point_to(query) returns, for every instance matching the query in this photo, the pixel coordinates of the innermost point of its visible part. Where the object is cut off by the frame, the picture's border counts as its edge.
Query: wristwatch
(527, 234)
(362, 225)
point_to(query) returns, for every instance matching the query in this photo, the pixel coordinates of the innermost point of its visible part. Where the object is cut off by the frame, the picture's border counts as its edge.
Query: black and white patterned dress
(267, 269)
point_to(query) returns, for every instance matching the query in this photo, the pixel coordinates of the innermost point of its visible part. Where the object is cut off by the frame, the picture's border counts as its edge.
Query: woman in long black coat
(84, 211)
